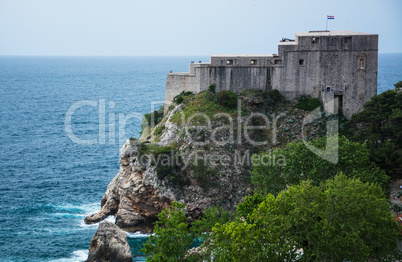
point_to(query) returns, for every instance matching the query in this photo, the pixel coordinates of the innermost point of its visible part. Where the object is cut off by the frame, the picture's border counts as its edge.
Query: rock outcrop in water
(143, 187)
(109, 244)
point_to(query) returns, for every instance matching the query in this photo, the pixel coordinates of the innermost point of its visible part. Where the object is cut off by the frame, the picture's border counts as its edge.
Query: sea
(62, 123)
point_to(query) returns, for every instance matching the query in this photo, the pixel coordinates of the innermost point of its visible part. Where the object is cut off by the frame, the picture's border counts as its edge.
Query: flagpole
(326, 25)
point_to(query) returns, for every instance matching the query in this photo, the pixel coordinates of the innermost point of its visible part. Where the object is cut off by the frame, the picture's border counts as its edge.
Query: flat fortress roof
(246, 55)
(331, 33)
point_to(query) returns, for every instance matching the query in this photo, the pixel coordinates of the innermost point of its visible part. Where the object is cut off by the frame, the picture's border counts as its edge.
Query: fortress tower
(339, 67)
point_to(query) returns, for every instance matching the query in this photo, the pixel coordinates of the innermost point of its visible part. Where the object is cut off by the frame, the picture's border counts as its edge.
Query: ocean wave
(78, 255)
(137, 235)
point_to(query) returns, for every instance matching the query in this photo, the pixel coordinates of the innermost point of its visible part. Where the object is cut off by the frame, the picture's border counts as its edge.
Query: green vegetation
(228, 99)
(276, 96)
(171, 238)
(152, 119)
(398, 85)
(301, 164)
(158, 131)
(204, 103)
(308, 103)
(342, 219)
(212, 88)
(380, 126)
(183, 96)
(330, 222)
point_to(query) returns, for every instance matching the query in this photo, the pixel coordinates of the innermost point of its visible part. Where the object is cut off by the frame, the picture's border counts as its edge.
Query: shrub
(275, 95)
(308, 103)
(152, 119)
(158, 131)
(167, 160)
(212, 88)
(398, 85)
(180, 97)
(227, 98)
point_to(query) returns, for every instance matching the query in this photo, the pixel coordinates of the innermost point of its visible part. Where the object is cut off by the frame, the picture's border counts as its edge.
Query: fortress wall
(179, 82)
(350, 106)
(240, 78)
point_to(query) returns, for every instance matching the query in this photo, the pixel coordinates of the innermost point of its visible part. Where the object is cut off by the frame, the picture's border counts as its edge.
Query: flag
(330, 17)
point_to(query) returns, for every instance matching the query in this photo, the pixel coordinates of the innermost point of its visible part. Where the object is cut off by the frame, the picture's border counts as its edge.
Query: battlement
(312, 62)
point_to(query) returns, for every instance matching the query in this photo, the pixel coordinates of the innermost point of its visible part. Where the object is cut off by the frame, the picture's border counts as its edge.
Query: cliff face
(206, 164)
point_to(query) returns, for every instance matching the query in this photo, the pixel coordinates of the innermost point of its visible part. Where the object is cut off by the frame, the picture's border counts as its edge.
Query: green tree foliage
(340, 220)
(302, 164)
(308, 103)
(227, 98)
(180, 97)
(171, 238)
(152, 119)
(246, 208)
(398, 85)
(212, 88)
(380, 126)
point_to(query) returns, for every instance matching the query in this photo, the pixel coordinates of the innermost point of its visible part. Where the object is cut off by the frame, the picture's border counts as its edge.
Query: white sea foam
(137, 235)
(79, 255)
(111, 219)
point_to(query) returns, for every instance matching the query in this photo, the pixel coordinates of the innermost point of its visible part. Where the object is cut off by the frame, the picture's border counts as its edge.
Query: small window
(253, 62)
(277, 61)
(348, 40)
(315, 40)
(229, 62)
(361, 63)
(301, 62)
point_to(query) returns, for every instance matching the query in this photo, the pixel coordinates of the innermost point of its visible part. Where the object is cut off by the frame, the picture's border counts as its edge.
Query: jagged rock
(133, 196)
(109, 244)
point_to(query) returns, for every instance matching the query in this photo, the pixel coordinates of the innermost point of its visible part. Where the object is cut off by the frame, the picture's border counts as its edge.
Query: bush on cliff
(152, 119)
(182, 96)
(212, 88)
(167, 160)
(227, 98)
(204, 106)
(308, 103)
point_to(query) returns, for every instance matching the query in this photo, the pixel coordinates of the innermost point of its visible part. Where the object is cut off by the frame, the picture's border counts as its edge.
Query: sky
(184, 27)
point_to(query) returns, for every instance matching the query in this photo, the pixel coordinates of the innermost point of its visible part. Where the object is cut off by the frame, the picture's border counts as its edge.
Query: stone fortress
(338, 67)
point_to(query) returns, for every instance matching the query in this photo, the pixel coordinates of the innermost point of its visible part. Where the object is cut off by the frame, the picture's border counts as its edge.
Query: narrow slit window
(301, 62)
(277, 61)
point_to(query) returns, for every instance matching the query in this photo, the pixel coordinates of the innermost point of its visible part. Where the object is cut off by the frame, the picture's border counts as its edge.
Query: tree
(342, 219)
(380, 126)
(302, 164)
(171, 238)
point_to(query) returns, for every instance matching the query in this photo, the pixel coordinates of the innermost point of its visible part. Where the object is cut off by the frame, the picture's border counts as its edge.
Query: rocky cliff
(200, 160)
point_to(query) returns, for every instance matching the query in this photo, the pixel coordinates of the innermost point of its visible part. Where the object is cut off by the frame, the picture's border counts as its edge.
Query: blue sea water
(48, 183)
